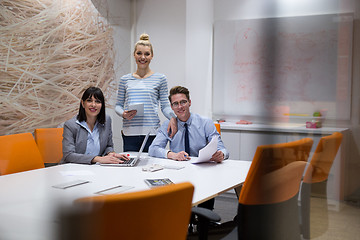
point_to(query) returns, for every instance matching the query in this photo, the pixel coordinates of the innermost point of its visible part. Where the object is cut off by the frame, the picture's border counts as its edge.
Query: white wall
(199, 40)
(122, 65)
(164, 21)
(245, 9)
(118, 13)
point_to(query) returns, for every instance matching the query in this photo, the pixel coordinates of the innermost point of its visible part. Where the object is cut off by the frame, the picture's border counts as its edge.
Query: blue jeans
(133, 143)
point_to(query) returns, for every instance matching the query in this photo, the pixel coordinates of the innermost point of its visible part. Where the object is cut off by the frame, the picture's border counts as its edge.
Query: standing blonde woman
(146, 87)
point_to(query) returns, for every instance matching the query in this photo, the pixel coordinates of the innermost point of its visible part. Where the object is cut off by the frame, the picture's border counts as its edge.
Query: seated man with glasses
(194, 132)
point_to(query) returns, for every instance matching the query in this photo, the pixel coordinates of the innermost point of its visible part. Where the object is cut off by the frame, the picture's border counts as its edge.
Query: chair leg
(203, 228)
(192, 224)
(305, 210)
(309, 227)
(202, 217)
(238, 190)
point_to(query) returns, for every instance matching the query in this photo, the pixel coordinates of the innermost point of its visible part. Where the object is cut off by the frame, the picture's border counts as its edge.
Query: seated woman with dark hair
(87, 137)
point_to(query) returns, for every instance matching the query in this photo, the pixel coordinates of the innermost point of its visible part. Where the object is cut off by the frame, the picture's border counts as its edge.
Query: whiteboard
(283, 65)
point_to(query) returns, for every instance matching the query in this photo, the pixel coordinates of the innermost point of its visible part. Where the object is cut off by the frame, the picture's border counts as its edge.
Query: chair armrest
(206, 213)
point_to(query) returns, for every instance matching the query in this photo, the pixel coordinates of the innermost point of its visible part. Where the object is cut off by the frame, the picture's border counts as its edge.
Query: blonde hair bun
(144, 41)
(144, 37)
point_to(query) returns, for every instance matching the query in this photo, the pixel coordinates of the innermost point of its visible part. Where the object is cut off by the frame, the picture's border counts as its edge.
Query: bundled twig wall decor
(50, 51)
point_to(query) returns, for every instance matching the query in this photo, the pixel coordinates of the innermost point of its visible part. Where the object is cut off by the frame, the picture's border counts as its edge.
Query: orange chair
(49, 142)
(155, 214)
(18, 152)
(268, 200)
(217, 125)
(315, 183)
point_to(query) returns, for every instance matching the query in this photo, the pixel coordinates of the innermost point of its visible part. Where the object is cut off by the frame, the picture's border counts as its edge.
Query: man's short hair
(177, 90)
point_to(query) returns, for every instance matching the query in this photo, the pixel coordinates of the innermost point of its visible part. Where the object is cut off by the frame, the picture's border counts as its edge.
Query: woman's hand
(129, 114)
(112, 158)
(172, 127)
(120, 155)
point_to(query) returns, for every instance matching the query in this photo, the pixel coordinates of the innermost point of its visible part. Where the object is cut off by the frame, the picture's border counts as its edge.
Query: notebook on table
(133, 160)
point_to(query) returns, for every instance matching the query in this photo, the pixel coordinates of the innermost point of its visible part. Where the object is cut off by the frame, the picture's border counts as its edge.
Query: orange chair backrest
(275, 172)
(323, 158)
(158, 213)
(217, 125)
(49, 142)
(18, 152)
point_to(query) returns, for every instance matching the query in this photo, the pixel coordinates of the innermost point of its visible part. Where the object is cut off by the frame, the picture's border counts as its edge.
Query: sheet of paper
(206, 152)
(138, 107)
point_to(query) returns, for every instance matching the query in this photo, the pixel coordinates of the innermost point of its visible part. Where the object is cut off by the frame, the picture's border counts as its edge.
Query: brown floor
(343, 222)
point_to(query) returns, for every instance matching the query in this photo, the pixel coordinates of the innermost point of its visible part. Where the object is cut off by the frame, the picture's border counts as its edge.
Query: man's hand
(129, 114)
(217, 157)
(172, 127)
(180, 156)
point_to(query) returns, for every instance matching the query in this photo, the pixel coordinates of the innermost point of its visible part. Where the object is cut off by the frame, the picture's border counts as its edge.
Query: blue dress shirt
(201, 131)
(93, 142)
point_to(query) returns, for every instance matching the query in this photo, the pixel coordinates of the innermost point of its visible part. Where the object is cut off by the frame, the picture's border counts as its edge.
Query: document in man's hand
(206, 152)
(138, 107)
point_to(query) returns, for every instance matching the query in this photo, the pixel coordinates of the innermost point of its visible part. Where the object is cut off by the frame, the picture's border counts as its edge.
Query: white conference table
(29, 204)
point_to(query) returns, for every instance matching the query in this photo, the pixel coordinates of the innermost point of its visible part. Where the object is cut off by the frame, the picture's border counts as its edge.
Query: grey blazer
(75, 141)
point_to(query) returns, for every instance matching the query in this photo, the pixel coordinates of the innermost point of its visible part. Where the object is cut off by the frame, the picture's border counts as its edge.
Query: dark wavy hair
(97, 94)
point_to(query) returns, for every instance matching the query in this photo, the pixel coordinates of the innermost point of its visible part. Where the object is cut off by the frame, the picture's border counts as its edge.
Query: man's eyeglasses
(181, 103)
